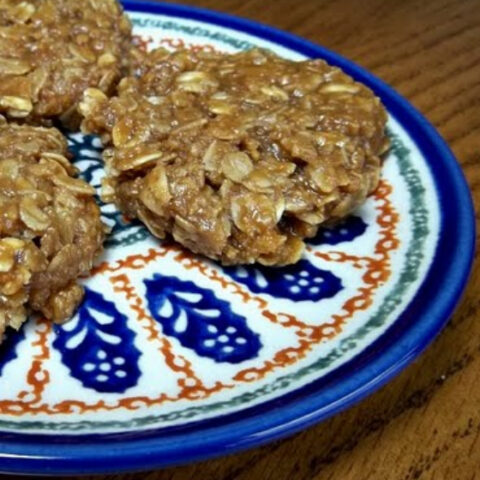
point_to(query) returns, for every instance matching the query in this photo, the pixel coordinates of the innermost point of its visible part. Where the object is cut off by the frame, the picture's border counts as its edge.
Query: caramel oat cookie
(238, 157)
(50, 228)
(52, 50)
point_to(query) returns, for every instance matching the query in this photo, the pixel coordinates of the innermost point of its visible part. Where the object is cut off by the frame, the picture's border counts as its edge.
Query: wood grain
(426, 423)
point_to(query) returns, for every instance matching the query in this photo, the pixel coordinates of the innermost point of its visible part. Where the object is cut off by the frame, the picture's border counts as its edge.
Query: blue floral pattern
(347, 230)
(200, 321)
(97, 346)
(299, 282)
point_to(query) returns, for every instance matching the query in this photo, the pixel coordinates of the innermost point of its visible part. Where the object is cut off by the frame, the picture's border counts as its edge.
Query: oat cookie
(51, 50)
(239, 157)
(50, 228)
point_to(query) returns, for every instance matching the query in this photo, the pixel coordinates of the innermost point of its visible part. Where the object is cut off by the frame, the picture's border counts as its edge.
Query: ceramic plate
(172, 358)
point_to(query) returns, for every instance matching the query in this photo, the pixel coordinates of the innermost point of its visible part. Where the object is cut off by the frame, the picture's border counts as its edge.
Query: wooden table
(426, 423)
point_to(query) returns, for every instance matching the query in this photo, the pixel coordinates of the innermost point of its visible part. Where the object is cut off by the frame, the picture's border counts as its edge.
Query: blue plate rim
(421, 321)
